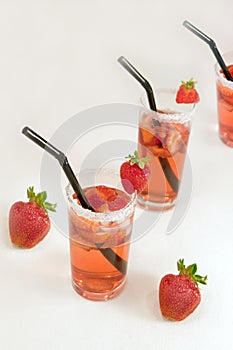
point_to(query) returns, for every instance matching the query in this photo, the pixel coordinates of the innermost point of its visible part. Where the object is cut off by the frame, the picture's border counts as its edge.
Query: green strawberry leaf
(141, 164)
(43, 196)
(190, 271)
(49, 206)
(190, 84)
(193, 269)
(40, 199)
(201, 279)
(134, 159)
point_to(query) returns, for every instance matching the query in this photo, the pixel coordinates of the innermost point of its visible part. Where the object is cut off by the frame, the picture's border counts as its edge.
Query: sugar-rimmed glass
(165, 143)
(99, 242)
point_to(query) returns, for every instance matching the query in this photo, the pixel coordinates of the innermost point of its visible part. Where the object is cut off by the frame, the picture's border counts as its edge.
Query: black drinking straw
(212, 46)
(134, 72)
(168, 172)
(119, 263)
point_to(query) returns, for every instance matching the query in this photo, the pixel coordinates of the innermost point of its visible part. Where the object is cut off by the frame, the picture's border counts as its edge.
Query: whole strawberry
(29, 222)
(135, 173)
(187, 92)
(179, 295)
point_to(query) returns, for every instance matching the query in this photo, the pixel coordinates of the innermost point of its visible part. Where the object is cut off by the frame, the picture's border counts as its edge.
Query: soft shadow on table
(140, 296)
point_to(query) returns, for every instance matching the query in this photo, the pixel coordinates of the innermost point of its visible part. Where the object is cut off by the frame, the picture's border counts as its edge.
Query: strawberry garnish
(179, 295)
(187, 92)
(29, 222)
(135, 173)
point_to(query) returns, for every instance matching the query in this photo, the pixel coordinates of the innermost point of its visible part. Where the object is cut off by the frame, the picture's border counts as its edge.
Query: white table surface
(59, 58)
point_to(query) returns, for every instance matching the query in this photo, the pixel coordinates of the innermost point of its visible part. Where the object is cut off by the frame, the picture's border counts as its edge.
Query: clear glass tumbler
(163, 137)
(225, 101)
(100, 241)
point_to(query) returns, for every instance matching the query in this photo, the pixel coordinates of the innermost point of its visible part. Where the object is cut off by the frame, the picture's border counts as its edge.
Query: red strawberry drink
(100, 241)
(163, 138)
(225, 102)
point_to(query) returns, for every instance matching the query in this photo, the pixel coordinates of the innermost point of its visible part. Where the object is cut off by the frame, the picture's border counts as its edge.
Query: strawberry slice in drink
(105, 199)
(96, 200)
(156, 142)
(184, 132)
(160, 152)
(118, 202)
(118, 238)
(173, 142)
(106, 192)
(115, 200)
(226, 94)
(146, 136)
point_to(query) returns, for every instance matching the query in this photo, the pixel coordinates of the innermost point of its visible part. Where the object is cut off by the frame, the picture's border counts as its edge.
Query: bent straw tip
(186, 23)
(25, 130)
(121, 59)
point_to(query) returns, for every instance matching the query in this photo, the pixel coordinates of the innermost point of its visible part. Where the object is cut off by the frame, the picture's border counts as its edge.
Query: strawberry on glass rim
(135, 173)
(187, 92)
(29, 222)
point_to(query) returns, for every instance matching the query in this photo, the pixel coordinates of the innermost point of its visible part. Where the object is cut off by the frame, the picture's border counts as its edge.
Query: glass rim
(219, 75)
(105, 217)
(183, 116)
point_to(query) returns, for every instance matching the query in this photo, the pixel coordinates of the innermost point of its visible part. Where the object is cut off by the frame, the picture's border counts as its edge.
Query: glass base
(155, 205)
(101, 296)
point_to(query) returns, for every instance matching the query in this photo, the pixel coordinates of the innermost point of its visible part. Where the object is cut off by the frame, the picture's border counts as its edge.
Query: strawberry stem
(190, 84)
(40, 199)
(134, 159)
(190, 271)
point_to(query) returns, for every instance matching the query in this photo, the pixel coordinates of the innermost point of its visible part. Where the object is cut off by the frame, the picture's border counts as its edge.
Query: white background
(58, 58)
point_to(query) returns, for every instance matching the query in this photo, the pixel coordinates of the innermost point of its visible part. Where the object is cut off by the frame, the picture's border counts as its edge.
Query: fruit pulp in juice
(168, 140)
(225, 111)
(92, 273)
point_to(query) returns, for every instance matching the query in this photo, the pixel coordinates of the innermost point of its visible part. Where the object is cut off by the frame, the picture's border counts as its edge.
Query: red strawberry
(179, 294)
(135, 173)
(106, 192)
(95, 199)
(117, 202)
(187, 92)
(29, 222)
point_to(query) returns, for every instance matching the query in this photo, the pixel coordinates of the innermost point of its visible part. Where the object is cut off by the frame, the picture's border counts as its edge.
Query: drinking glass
(100, 241)
(163, 137)
(225, 101)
